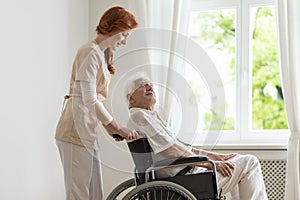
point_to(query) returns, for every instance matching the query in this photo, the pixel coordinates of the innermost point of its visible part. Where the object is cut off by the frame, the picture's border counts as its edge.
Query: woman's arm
(89, 98)
(114, 128)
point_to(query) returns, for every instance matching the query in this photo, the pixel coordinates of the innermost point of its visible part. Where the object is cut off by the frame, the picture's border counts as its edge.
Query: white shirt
(160, 136)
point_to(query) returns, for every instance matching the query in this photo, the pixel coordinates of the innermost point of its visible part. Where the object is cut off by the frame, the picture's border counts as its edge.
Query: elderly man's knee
(251, 160)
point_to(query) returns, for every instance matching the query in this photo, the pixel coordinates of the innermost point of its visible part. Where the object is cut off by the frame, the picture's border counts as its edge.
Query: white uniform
(246, 182)
(80, 124)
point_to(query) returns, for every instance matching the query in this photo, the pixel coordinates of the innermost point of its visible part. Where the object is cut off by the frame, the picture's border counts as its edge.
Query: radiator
(274, 176)
(273, 165)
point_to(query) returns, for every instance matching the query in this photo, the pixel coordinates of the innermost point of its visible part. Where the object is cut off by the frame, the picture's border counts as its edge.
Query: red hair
(113, 21)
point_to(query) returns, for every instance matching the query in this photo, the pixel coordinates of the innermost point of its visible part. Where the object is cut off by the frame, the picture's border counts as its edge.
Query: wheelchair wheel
(159, 190)
(118, 192)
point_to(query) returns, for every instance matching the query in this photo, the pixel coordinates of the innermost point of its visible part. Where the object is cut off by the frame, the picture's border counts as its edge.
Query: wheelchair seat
(202, 185)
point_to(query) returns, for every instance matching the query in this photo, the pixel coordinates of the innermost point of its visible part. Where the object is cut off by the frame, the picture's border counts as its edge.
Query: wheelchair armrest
(180, 161)
(192, 160)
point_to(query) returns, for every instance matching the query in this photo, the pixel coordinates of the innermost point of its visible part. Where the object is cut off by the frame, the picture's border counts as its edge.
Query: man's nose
(149, 88)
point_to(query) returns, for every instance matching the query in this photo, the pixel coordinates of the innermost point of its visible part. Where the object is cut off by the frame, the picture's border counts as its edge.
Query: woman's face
(116, 40)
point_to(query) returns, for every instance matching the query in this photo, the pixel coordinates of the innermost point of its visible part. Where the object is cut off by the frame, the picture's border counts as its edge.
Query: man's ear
(131, 100)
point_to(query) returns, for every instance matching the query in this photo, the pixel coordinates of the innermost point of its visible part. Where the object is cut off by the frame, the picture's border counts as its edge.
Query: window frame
(243, 122)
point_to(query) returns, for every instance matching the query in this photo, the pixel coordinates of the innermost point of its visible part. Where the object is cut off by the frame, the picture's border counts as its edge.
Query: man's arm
(212, 155)
(223, 166)
(177, 151)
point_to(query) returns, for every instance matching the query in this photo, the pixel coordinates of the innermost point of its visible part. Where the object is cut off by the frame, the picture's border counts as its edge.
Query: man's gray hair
(134, 83)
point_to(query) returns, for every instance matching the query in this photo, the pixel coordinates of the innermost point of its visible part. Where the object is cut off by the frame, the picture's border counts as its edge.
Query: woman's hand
(114, 129)
(128, 134)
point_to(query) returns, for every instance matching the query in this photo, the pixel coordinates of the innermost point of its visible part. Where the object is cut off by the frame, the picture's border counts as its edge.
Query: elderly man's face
(143, 97)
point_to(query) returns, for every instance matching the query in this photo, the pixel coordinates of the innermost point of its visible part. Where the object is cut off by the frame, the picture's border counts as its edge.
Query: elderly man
(239, 175)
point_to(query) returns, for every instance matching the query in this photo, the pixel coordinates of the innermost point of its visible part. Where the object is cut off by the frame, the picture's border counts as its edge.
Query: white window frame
(246, 137)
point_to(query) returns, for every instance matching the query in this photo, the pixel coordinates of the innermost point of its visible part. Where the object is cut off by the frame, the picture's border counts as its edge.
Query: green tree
(267, 103)
(218, 31)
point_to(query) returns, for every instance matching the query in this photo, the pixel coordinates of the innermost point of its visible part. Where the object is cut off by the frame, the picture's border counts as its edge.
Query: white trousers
(82, 172)
(246, 182)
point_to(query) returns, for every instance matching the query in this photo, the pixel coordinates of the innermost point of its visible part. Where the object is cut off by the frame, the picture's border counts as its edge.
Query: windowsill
(257, 147)
(262, 152)
(261, 141)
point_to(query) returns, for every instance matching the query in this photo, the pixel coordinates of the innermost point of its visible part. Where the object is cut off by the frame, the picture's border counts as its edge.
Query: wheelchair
(183, 186)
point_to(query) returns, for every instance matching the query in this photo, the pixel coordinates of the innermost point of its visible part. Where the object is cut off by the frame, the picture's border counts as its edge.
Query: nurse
(84, 114)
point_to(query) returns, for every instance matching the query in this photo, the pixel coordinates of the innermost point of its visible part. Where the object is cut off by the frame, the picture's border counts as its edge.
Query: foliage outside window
(268, 110)
(243, 43)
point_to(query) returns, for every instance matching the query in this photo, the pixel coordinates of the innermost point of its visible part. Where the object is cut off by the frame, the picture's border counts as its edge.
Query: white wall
(38, 40)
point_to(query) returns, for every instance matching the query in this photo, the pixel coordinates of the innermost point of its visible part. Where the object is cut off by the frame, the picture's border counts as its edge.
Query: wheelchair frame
(200, 186)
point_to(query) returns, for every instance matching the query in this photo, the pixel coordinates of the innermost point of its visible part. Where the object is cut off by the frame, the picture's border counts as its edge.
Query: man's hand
(220, 157)
(225, 168)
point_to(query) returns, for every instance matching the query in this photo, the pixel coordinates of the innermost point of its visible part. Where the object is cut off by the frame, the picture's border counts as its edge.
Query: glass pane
(268, 110)
(214, 31)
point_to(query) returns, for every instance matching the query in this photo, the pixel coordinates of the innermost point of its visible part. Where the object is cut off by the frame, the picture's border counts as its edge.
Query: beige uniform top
(78, 124)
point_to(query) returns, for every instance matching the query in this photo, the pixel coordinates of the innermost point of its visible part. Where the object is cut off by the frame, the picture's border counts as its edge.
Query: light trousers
(82, 172)
(246, 182)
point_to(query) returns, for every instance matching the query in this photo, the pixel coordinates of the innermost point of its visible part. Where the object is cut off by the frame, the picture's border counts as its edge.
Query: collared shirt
(78, 124)
(160, 136)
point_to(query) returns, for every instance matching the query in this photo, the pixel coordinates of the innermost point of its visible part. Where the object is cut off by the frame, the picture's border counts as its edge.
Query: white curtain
(289, 33)
(169, 17)
(172, 56)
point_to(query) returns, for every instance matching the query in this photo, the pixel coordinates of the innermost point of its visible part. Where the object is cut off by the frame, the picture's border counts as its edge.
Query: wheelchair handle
(117, 136)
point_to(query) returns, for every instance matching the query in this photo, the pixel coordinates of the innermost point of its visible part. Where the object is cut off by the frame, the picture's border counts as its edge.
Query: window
(241, 38)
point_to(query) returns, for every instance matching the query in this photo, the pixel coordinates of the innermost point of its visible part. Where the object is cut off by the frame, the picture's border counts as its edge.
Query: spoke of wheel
(162, 191)
(172, 196)
(144, 197)
(179, 198)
